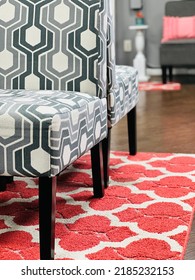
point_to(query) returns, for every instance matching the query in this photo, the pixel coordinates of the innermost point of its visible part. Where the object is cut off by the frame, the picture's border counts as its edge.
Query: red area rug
(156, 86)
(146, 212)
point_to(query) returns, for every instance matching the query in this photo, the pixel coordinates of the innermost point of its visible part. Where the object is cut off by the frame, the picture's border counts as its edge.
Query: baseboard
(178, 71)
(153, 71)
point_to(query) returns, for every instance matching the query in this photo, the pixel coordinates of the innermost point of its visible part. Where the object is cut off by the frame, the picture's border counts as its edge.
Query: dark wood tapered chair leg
(132, 133)
(10, 179)
(47, 209)
(97, 170)
(4, 180)
(3, 183)
(106, 157)
(164, 74)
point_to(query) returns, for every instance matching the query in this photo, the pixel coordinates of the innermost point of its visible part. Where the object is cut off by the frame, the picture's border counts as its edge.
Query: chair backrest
(180, 8)
(111, 55)
(54, 44)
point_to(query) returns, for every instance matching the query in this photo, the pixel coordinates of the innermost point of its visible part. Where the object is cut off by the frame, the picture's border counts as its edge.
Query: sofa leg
(170, 73)
(132, 133)
(47, 209)
(164, 74)
(97, 170)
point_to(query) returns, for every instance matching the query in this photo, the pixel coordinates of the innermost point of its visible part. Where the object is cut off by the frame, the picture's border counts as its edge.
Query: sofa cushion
(174, 52)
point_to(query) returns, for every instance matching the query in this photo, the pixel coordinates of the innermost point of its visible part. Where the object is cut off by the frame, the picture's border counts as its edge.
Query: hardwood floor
(165, 123)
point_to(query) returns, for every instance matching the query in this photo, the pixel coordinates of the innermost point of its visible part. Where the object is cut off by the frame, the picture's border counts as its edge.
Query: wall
(153, 13)
(124, 18)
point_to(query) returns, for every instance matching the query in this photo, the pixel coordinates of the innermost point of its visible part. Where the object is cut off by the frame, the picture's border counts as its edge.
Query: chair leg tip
(4, 180)
(98, 195)
(3, 188)
(10, 179)
(106, 184)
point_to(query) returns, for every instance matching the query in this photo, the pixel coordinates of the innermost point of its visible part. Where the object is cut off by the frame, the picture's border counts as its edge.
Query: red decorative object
(155, 86)
(139, 20)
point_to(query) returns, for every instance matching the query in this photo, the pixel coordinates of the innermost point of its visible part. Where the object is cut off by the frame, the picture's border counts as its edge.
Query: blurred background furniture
(139, 61)
(178, 52)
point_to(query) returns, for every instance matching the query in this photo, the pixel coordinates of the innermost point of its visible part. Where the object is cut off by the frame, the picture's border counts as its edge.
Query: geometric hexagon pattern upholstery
(48, 45)
(124, 97)
(42, 132)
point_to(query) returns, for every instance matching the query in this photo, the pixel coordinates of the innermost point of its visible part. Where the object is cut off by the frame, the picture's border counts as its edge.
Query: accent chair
(53, 105)
(122, 95)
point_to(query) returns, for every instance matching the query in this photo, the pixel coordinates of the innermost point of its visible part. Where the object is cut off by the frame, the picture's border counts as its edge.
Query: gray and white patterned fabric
(50, 47)
(42, 132)
(125, 95)
(122, 80)
(53, 44)
(111, 54)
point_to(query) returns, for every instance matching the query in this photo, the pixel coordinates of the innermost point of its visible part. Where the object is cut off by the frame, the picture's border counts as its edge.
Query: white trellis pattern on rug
(146, 212)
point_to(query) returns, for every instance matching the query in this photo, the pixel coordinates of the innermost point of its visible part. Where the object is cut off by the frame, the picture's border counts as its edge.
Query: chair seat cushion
(124, 96)
(42, 132)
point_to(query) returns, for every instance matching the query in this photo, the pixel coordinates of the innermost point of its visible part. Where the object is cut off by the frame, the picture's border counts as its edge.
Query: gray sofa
(179, 52)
